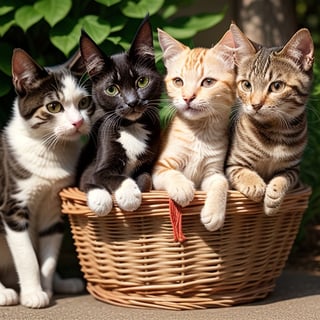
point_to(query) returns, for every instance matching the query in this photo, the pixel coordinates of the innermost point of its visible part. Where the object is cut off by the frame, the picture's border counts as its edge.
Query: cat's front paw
(275, 193)
(128, 195)
(214, 209)
(181, 191)
(254, 190)
(35, 299)
(99, 201)
(212, 220)
(8, 297)
(249, 183)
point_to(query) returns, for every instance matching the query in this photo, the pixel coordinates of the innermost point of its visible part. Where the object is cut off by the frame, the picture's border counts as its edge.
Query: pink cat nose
(78, 123)
(189, 99)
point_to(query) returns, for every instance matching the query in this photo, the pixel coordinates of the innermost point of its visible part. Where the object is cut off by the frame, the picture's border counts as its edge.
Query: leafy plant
(310, 162)
(49, 30)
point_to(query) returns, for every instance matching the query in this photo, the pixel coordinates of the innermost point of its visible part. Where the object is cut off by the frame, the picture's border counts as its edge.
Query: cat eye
(142, 82)
(112, 91)
(54, 107)
(208, 82)
(245, 85)
(178, 82)
(84, 103)
(276, 86)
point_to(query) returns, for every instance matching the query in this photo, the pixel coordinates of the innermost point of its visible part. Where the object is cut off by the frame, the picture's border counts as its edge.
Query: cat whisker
(167, 113)
(283, 121)
(84, 81)
(235, 114)
(152, 111)
(169, 109)
(110, 122)
(49, 141)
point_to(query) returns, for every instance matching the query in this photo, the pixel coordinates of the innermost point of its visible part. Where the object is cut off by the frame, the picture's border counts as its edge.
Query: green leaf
(26, 17)
(140, 9)
(169, 11)
(117, 23)
(96, 27)
(115, 40)
(53, 10)
(203, 21)
(6, 54)
(65, 35)
(180, 33)
(124, 44)
(187, 27)
(5, 24)
(108, 3)
(5, 84)
(5, 9)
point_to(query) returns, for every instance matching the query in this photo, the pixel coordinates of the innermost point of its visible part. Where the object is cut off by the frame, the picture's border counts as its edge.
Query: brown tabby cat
(200, 83)
(270, 125)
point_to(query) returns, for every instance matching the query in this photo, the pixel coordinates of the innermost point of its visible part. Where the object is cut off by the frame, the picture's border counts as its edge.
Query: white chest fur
(47, 163)
(134, 140)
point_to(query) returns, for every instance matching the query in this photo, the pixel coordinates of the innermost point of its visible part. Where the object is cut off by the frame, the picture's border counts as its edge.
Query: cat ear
(76, 64)
(300, 48)
(170, 47)
(225, 48)
(25, 71)
(142, 44)
(243, 46)
(94, 59)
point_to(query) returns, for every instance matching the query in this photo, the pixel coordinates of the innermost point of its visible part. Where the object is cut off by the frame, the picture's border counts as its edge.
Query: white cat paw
(182, 192)
(99, 201)
(212, 220)
(8, 297)
(128, 195)
(35, 299)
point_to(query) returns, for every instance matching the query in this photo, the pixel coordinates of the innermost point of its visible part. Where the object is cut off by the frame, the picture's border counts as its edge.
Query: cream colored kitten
(201, 85)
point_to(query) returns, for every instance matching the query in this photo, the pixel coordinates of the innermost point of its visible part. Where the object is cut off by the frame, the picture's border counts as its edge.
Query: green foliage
(310, 163)
(308, 12)
(49, 30)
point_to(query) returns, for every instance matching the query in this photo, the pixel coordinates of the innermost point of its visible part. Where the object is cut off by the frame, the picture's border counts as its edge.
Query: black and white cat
(39, 149)
(126, 89)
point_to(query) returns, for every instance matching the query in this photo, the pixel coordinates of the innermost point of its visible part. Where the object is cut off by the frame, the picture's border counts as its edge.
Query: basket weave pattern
(131, 259)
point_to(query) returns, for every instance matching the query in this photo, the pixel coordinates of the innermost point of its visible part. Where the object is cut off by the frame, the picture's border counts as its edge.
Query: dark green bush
(311, 160)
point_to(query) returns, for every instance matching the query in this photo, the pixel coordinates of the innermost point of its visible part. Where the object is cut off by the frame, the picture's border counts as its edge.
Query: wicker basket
(131, 259)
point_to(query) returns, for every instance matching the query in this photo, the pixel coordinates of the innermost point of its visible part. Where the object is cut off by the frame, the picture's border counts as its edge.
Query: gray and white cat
(39, 149)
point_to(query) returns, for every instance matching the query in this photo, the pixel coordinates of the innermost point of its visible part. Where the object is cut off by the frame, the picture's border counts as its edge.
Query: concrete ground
(296, 297)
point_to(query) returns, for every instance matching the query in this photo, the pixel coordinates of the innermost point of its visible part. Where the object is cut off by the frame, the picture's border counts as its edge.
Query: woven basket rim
(154, 198)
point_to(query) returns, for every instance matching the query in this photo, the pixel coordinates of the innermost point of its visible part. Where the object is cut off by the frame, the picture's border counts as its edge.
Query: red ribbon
(176, 221)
